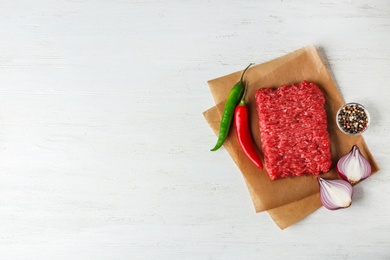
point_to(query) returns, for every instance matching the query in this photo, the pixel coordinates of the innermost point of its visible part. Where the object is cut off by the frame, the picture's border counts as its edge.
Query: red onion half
(335, 194)
(353, 167)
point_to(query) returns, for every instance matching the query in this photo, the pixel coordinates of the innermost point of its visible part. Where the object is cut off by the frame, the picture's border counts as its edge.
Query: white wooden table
(104, 152)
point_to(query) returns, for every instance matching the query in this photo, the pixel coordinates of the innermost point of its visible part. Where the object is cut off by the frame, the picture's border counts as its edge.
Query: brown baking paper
(287, 200)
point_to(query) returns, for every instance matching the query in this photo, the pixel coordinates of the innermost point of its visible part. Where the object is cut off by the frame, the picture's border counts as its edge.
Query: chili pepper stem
(243, 73)
(242, 101)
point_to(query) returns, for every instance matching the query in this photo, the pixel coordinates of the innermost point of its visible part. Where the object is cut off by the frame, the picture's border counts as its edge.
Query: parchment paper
(287, 200)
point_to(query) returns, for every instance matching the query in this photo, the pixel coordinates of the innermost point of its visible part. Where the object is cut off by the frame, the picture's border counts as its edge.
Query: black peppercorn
(352, 119)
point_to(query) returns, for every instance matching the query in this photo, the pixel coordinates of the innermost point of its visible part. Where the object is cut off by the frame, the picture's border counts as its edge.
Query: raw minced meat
(293, 129)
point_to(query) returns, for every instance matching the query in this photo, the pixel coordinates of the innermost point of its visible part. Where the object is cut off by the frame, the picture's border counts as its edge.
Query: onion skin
(353, 166)
(335, 194)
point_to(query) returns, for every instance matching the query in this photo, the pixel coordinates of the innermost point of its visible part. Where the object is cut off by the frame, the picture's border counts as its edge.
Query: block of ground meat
(293, 130)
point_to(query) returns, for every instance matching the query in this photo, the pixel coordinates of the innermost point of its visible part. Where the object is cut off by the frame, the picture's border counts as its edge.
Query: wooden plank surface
(104, 152)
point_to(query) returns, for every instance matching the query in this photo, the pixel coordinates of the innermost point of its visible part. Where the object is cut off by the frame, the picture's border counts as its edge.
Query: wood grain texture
(104, 150)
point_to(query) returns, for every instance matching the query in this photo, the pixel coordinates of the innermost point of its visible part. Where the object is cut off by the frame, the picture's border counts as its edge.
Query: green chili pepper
(230, 105)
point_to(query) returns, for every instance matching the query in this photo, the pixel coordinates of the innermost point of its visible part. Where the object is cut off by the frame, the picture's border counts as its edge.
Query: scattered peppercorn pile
(353, 119)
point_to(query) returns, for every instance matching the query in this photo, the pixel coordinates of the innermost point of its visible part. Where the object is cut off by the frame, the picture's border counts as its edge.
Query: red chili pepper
(241, 123)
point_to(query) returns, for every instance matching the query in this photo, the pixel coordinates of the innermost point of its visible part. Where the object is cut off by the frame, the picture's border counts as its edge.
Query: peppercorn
(352, 119)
